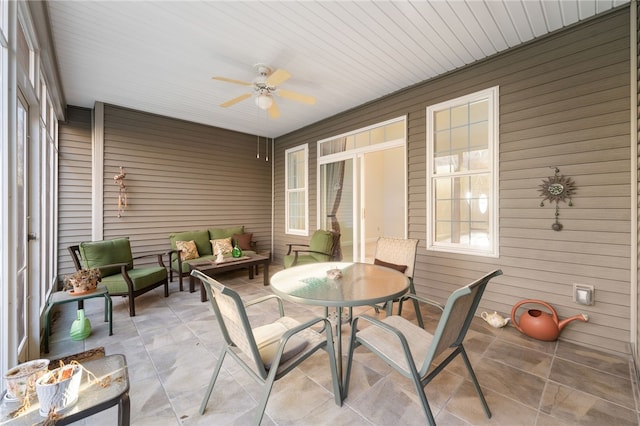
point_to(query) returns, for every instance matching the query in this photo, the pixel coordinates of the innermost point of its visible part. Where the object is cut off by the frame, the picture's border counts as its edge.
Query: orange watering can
(540, 325)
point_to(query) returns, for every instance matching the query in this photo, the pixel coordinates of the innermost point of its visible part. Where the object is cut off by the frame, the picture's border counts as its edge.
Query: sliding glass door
(362, 196)
(21, 215)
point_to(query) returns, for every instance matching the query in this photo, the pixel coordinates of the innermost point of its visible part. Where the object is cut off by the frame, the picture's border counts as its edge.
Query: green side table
(62, 297)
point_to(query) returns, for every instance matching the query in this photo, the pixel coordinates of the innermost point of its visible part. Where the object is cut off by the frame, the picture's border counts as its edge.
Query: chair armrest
(306, 325)
(310, 251)
(264, 299)
(297, 329)
(158, 255)
(179, 254)
(123, 271)
(292, 245)
(119, 265)
(385, 327)
(171, 253)
(421, 299)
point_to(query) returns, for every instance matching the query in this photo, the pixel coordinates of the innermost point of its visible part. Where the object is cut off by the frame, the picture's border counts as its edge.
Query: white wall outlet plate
(583, 294)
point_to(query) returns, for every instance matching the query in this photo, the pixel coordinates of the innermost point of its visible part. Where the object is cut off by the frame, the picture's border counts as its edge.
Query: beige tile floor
(172, 345)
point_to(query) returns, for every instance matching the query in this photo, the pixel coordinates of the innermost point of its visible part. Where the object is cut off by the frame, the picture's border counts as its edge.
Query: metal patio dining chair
(411, 350)
(399, 254)
(267, 352)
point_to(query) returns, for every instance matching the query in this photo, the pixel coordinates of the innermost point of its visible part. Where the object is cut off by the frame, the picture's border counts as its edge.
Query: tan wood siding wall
(182, 176)
(564, 102)
(637, 113)
(74, 184)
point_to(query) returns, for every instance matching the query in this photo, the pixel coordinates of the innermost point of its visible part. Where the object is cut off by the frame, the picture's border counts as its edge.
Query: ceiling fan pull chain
(258, 147)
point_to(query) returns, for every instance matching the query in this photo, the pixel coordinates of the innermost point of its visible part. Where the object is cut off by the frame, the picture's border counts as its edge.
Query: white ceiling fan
(265, 85)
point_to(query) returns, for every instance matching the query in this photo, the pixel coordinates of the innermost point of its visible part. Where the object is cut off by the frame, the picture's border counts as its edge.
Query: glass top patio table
(112, 389)
(361, 284)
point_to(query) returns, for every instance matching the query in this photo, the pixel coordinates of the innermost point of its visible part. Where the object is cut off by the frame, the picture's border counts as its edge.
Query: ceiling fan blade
(235, 100)
(277, 77)
(274, 111)
(231, 80)
(294, 96)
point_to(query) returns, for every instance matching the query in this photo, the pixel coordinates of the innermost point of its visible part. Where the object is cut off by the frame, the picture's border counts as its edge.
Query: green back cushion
(321, 241)
(108, 252)
(201, 238)
(218, 233)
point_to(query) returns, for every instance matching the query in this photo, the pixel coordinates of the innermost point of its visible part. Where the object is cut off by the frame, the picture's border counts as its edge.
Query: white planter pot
(60, 395)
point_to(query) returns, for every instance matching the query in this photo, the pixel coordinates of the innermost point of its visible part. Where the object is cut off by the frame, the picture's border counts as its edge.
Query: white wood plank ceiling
(160, 56)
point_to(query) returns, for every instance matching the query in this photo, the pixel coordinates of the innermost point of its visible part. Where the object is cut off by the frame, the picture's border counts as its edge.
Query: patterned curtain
(335, 181)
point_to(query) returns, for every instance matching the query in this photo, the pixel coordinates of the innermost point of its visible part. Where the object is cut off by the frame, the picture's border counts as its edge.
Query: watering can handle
(522, 302)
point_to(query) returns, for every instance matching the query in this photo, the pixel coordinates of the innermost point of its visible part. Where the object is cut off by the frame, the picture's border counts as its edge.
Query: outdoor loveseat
(196, 246)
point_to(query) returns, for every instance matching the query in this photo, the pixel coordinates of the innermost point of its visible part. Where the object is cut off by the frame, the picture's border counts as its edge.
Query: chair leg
(423, 399)
(108, 305)
(47, 327)
(132, 307)
(268, 385)
(416, 306)
(212, 382)
(353, 344)
(474, 379)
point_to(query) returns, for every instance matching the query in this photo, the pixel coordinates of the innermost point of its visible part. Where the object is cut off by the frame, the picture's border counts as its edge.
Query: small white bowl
(334, 274)
(22, 378)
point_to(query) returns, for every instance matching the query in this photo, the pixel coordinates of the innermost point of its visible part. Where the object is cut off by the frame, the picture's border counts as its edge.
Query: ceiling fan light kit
(265, 85)
(264, 101)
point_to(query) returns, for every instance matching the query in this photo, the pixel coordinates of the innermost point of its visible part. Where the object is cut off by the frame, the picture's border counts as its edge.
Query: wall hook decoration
(122, 193)
(557, 188)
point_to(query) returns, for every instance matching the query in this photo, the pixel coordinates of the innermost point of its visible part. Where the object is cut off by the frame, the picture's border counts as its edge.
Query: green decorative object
(237, 251)
(81, 328)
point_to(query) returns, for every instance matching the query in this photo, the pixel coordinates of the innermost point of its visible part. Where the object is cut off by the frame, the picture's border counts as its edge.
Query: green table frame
(62, 297)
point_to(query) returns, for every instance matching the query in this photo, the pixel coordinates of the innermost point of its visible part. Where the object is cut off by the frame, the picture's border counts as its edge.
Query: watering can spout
(581, 317)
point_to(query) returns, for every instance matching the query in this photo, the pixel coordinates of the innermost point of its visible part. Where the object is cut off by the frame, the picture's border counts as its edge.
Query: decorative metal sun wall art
(557, 188)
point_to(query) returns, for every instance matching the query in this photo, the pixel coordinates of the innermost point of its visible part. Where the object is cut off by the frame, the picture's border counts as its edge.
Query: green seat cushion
(141, 277)
(219, 233)
(201, 238)
(95, 254)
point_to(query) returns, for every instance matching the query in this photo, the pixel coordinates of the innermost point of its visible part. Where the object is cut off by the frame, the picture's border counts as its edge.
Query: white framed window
(4, 18)
(462, 174)
(5, 315)
(297, 192)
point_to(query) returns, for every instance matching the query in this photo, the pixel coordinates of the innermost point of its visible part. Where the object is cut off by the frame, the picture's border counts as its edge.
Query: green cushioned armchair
(119, 275)
(323, 247)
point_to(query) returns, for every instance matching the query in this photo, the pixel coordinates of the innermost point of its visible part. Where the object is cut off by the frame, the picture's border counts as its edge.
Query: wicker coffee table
(211, 269)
